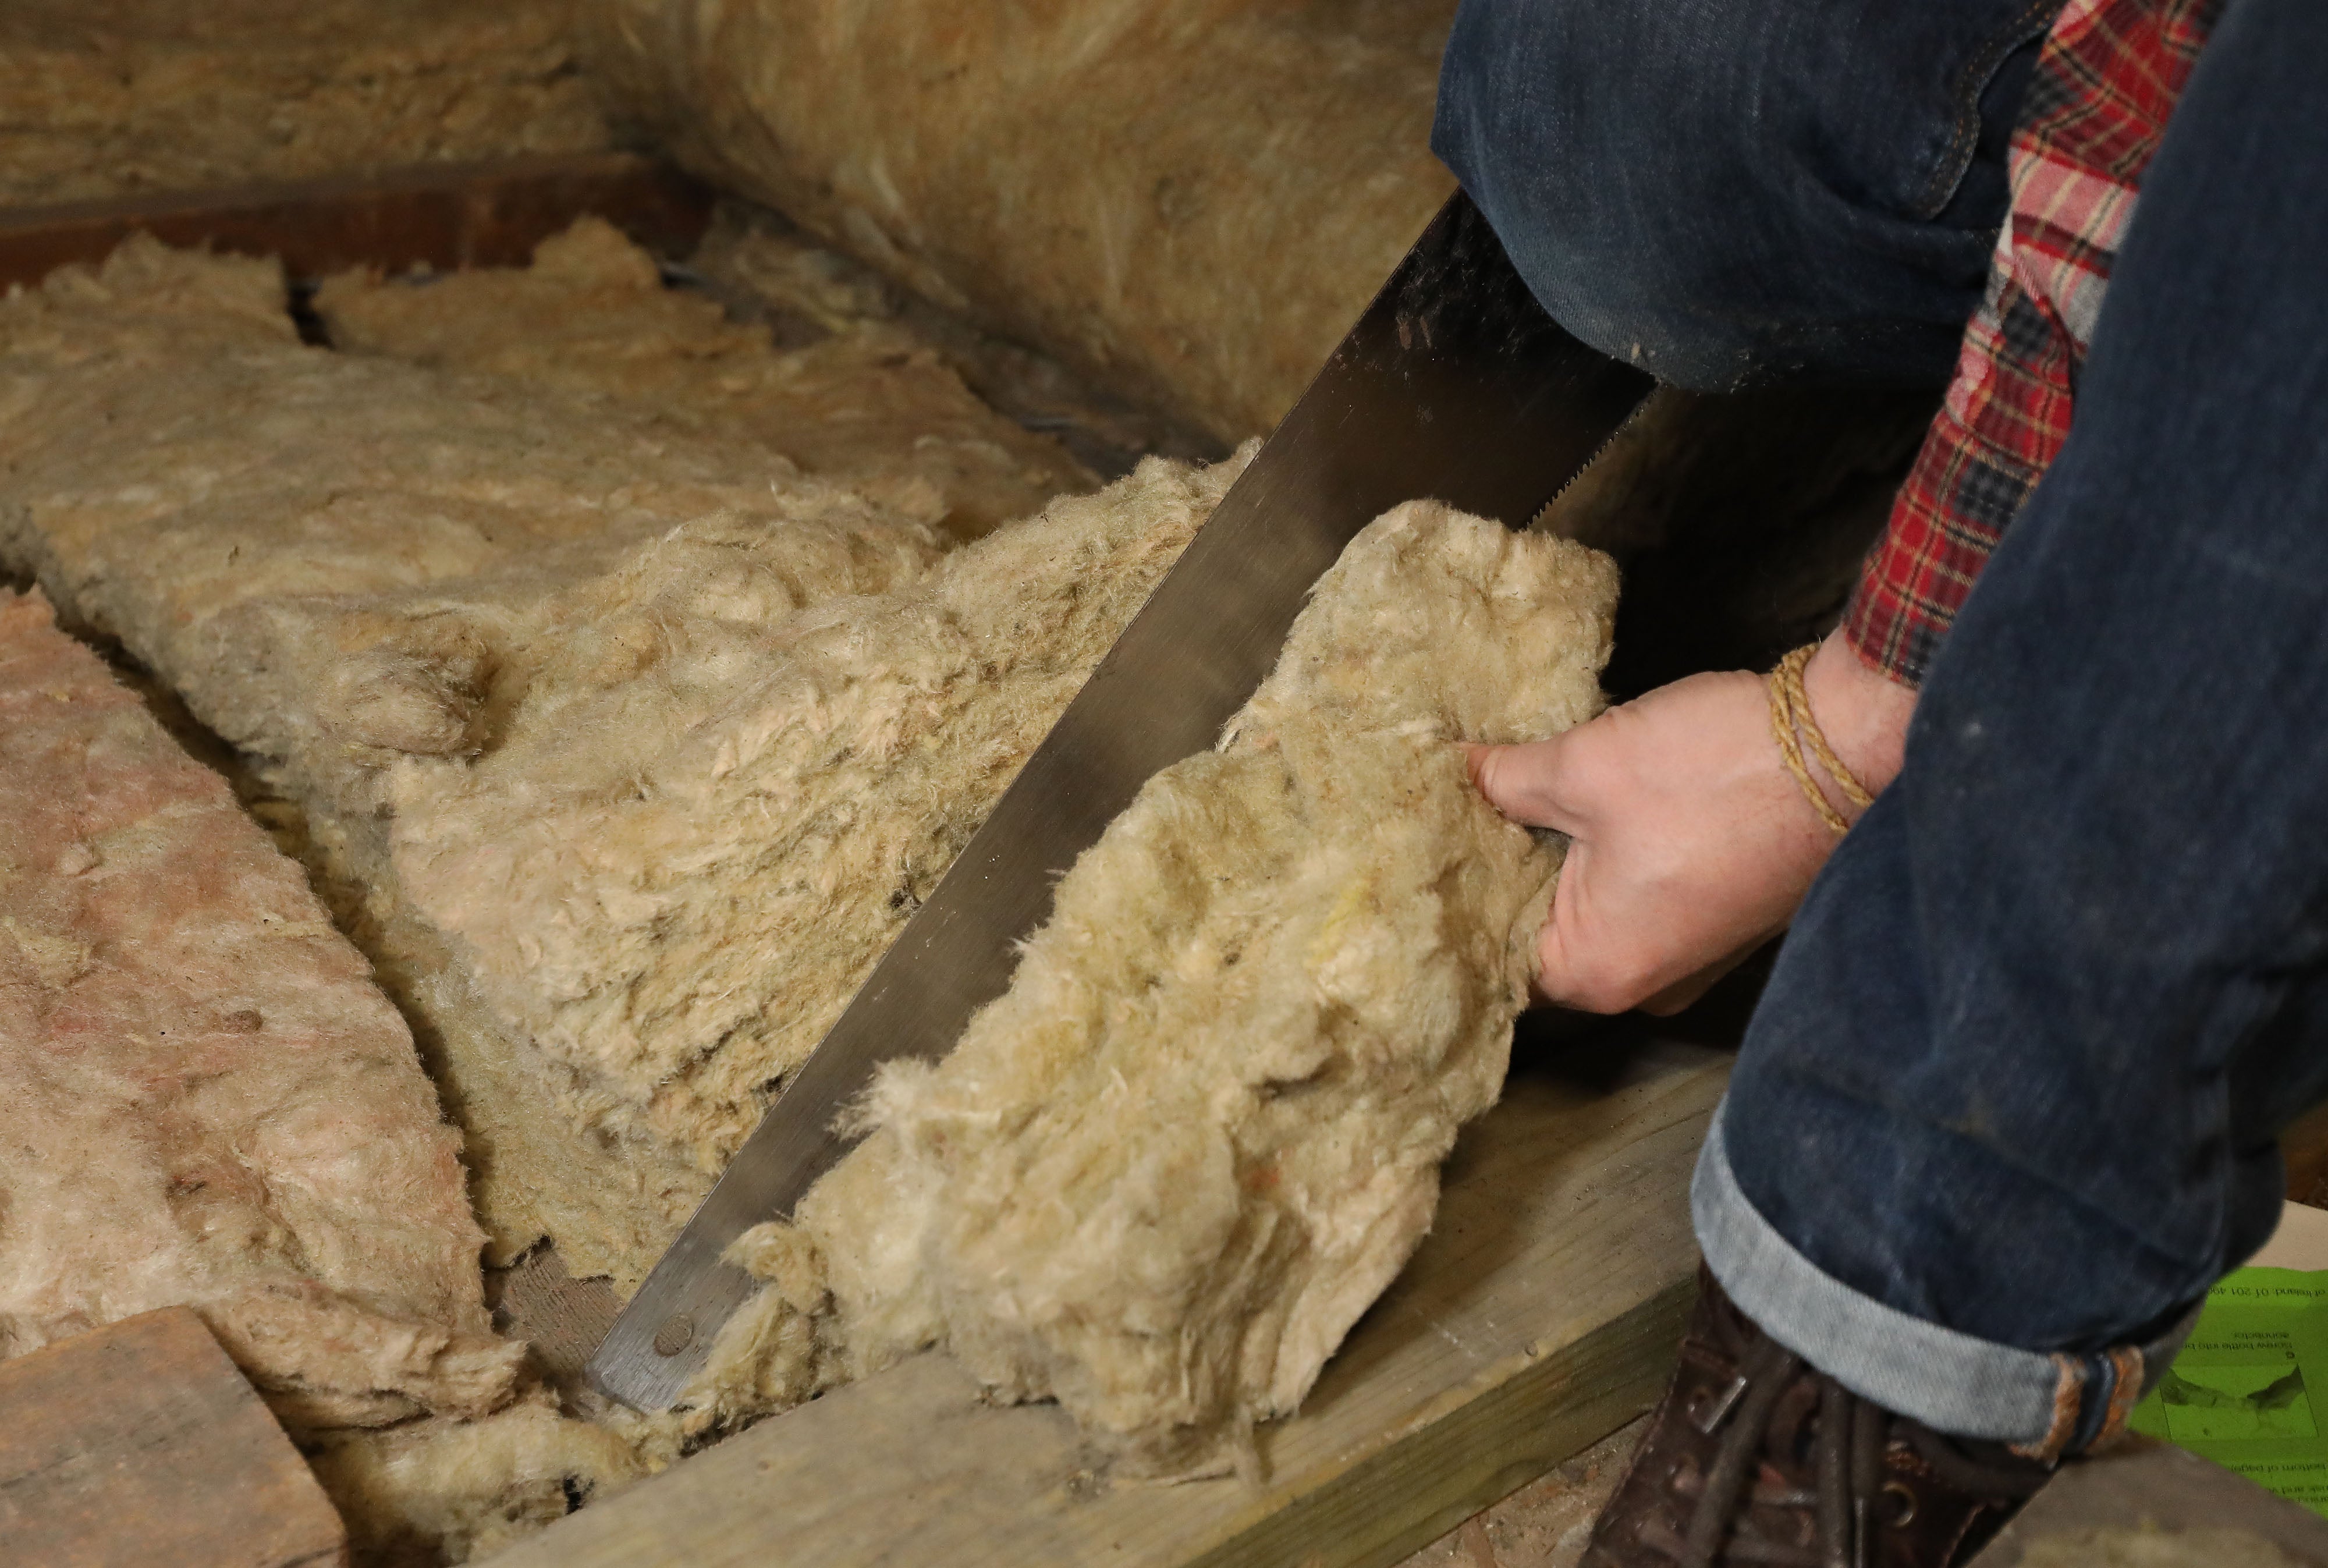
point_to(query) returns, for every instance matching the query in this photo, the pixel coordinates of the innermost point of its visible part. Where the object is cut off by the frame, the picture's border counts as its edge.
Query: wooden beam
(437, 215)
(2156, 1491)
(141, 1444)
(1540, 1315)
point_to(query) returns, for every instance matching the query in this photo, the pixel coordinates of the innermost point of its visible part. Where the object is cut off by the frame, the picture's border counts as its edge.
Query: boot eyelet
(1901, 1511)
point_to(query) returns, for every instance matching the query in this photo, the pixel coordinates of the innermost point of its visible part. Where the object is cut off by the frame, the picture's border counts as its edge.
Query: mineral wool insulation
(1267, 164)
(115, 98)
(203, 1099)
(534, 663)
(859, 401)
(625, 748)
(1160, 1177)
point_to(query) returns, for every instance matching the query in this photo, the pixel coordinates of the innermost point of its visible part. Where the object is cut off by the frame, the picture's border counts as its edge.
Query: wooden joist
(2154, 1489)
(141, 1444)
(436, 215)
(1540, 1315)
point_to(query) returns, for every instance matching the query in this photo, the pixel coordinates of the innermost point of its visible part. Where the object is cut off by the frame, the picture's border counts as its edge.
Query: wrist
(1863, 712)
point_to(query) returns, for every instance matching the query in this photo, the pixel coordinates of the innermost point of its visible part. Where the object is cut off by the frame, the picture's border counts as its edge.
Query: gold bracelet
(1790, 717)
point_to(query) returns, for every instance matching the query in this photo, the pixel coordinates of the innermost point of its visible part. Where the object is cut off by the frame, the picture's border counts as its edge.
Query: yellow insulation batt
(1192, 202)
(627, 747)
(624, 746)
(697, 832)
(861, 402)
(115, 98)
(444, 1492)
(203, 1099)
(1160, 1178)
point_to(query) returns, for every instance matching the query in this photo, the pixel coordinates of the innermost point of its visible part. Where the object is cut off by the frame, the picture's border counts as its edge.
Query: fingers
(1689, 844)
(1523, 782)
(1577, 966)
(1580, 964)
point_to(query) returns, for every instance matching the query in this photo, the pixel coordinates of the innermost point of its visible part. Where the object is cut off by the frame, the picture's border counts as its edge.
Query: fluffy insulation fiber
(203, 1099)
(1160, 1178)
(624, 746)
(628, 747)
(861, 402)
(315, 549)
(433, 1492)
(697, 832)
(109, 97)
(1266, 163)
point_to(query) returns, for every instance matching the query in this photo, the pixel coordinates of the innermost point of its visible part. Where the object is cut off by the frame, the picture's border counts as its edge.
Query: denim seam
(1952, 1381)
(1944, 179)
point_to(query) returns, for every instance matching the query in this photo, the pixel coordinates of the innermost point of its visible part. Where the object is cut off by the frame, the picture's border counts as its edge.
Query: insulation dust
(117, 98)
(1265, 169)
(203, 1099)
(1159, 1178)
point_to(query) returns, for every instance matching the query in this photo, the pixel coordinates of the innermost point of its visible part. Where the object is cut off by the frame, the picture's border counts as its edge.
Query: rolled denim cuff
(2045, 1405)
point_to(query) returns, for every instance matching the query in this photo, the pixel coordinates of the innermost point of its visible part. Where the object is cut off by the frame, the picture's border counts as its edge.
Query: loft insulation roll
(626, 745)
(204, 1101)
(124, 98)
(1160, 1177)
(1192, 202)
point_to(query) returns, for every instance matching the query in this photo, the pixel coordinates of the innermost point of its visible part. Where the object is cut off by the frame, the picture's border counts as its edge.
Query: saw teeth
(1536, 518)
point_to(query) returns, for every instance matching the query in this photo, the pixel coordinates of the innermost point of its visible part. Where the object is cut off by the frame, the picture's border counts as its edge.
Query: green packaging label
(2250, 1389)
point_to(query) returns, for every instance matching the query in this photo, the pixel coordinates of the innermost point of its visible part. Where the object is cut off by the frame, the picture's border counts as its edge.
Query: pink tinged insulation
(203, 1098)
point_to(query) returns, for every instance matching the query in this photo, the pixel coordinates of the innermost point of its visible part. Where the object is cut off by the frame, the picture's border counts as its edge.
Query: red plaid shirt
(2106, 80)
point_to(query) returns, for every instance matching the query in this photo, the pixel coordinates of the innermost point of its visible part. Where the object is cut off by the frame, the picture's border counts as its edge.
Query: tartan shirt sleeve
(2105, 81)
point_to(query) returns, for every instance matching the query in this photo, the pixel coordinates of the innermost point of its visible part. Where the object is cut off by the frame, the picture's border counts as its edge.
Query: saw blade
(1454, 385)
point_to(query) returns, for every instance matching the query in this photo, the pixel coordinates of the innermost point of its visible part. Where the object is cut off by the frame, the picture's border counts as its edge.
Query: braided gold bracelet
(1792, 726)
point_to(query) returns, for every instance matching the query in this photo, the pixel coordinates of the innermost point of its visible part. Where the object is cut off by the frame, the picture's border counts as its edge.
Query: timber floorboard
(140, 1442)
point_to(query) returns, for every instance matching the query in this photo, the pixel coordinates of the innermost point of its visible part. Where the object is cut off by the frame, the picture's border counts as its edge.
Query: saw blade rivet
(677, 1333)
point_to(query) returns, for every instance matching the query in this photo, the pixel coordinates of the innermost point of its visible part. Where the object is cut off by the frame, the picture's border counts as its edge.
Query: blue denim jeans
(1736, 192)
(2012, 1096)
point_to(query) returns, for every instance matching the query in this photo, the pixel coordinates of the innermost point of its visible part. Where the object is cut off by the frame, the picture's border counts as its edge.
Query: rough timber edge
(1541, 1316)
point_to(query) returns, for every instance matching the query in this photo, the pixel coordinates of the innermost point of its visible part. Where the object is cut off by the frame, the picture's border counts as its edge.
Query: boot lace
(1834, 1471)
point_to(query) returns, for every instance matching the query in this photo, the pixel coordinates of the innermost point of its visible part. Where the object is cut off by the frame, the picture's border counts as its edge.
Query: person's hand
(1691, 842)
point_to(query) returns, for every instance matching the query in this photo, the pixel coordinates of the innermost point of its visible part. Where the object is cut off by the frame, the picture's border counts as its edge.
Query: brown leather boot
(1755, 1457)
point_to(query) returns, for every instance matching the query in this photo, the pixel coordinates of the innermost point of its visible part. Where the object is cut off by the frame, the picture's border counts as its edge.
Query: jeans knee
(1530, 120)
(1727, 191)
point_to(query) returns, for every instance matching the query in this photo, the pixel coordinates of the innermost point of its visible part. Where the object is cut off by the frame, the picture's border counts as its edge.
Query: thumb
(1523, 781)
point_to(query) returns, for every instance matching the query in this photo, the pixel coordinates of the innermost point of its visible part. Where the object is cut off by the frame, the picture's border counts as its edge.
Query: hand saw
(1453, 385)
